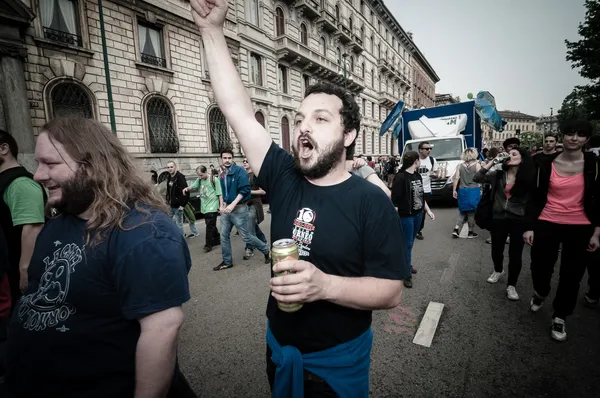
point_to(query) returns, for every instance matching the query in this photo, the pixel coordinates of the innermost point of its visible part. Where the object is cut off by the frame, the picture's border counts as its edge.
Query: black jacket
(513, 208)
(591, 194)
(175, 185)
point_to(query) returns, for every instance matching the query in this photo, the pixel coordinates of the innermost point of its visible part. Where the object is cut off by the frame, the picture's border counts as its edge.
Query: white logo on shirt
(48, 307)
(304, 230)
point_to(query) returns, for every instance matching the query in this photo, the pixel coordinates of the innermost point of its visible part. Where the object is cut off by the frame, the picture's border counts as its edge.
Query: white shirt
(425, 170)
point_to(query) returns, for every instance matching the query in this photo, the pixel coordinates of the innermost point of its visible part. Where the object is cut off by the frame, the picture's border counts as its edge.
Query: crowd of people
(95, 261)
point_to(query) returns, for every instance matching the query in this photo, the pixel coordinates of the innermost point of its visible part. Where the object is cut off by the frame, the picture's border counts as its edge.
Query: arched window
(337, 12)
(285, 133)
(351, 25)
(351, 64)
(322, 47)
(260, 118)
(219, 135)
(362, 70)
(364, 141)
(161, 129)
(303, 34)
(70, 99)
(279, 22)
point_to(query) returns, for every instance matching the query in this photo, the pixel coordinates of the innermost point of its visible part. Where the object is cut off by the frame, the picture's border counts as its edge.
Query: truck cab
(449, 130)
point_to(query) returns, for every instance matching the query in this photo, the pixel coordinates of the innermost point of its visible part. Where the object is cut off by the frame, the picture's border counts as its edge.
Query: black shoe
(413, 270)
(207, 249)
(222, 266)
(268, 258)
(420, 236)
(408, 283)
(472, 235)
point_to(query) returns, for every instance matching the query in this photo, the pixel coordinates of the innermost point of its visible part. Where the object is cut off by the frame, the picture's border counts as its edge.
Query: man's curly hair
(350, 111)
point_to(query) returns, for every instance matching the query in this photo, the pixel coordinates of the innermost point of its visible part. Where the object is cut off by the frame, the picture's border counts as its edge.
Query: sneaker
(408, 283)
(455, 233)
(495, 277)
(268, 257)
(559, 330)
(511, 293)
(420, 236)
(249, 254)
(536, 302)
(589, 301)
(222, 266)
(207, 249)
(507, 240)
(192, 236)
(489, 240)
(472, 235)
(413, 270)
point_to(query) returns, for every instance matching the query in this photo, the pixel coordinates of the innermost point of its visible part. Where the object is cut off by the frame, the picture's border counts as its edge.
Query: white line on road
(449, 272)
(429, 324)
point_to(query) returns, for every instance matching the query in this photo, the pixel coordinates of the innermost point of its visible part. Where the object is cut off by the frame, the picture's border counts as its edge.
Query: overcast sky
(515, 50)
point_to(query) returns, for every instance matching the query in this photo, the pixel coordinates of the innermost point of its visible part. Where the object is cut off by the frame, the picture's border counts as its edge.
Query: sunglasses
(245, 161)
(426, 149)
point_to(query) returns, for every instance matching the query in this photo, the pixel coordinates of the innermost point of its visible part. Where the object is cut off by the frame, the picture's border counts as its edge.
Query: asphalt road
(484, 346)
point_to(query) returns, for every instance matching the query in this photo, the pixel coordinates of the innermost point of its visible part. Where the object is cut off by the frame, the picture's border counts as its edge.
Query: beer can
(285, 250)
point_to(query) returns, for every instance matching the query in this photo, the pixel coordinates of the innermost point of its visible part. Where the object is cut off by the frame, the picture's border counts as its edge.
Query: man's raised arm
(230, 93)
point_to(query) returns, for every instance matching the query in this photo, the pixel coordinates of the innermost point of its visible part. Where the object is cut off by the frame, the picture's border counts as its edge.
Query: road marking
(449, 272)
(429, 324)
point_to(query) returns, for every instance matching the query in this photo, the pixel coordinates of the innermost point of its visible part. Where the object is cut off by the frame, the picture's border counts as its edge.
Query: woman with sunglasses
(564, 208)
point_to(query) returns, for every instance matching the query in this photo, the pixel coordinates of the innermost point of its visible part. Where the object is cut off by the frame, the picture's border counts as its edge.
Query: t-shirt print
(416, 190)
(304, 230)
(48, 306)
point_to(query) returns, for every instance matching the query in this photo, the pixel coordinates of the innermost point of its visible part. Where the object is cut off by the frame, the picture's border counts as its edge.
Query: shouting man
(345, 227)
(102, 311)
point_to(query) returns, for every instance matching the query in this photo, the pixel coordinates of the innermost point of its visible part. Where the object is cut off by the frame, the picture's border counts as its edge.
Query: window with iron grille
(60, 22)
(219, 134)
(161, 129)
(70, 99)
(151, 45)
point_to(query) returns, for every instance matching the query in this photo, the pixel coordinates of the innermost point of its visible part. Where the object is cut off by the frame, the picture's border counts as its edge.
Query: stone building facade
(163, 103)
(517, 123)
(424, 80)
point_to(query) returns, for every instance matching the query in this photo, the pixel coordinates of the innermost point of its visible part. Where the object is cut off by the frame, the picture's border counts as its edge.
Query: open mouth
(306, 148)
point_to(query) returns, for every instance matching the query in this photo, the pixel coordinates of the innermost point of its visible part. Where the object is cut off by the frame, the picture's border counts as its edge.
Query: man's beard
(326, 161)
(77, 194)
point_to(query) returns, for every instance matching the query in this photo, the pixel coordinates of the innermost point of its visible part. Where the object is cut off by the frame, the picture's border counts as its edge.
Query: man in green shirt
(211, 200)
(21, 213)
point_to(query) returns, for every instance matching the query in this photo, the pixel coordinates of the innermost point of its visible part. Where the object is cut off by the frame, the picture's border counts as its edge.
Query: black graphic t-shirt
(75, 330)
(350, 229)
(407, 193)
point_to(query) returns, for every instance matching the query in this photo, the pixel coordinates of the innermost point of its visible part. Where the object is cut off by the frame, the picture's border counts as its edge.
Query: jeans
(410, 228)
(501, 229)
(573, 262)
(192, 224)
(178, 218)
(239, 218)
(253, 227)
(212, 233)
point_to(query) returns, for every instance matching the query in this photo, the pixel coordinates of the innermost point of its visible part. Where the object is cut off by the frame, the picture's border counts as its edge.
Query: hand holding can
(285, 250)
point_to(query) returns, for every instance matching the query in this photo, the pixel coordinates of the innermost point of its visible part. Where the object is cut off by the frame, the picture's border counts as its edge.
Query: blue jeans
(410, 228)
(178, 218)
(239, 218)
(253, 227)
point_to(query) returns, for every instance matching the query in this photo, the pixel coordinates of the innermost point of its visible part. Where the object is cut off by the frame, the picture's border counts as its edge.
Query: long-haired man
(107, 278)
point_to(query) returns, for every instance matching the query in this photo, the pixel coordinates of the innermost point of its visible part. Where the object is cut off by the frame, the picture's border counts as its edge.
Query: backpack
(432, 160)
(212, 181)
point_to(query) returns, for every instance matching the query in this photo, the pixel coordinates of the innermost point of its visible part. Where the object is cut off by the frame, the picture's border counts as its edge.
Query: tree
(530, 139)
(584, 101)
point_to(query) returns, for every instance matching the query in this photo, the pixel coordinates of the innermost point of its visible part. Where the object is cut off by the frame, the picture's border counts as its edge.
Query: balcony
(327, 20)
(62, 37)
(260, 94)
(356, 44)
(386, 99)
(344, 33)
(383, 65)
(308, 8)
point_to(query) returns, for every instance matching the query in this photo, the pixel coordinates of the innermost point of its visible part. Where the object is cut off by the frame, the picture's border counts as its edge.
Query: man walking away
(345, 228)
(102, 312)
(234, 210)
(211, 200)
(256, 214)
(176, 198)
(21, 214)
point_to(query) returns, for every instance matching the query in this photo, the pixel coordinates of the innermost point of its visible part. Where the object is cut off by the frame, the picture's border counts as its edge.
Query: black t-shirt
(350, 229)
(74, 332)
(407, 193)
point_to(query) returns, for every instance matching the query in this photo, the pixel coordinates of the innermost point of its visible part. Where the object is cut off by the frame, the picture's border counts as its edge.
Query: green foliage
(530, 139)
(584, 101)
